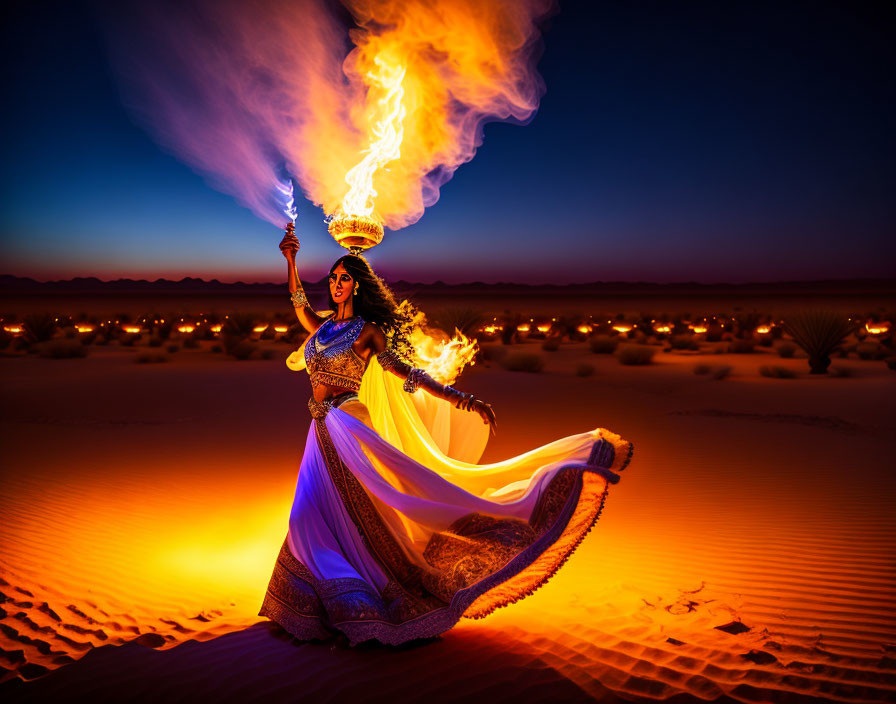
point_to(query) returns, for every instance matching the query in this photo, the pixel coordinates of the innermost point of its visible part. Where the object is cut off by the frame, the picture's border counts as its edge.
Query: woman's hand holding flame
(289, 245)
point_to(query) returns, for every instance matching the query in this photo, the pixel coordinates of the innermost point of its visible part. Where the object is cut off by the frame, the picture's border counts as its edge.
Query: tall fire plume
(370, 105)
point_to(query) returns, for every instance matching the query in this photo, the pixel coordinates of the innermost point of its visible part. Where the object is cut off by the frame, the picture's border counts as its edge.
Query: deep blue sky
(707, 141)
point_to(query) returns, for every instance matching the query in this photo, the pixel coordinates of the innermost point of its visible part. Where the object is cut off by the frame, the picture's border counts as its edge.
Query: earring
(357, 284)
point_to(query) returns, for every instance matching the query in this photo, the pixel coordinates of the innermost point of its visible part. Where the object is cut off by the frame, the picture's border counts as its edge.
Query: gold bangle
(298, 299)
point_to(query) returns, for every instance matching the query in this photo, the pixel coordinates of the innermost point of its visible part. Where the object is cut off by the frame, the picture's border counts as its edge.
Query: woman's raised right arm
(289, 245)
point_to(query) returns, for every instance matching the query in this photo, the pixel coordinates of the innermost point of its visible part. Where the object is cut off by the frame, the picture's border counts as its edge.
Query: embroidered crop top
(329, 356)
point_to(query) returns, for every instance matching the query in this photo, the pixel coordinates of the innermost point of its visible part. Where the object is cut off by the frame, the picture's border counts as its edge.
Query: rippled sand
(746, 555)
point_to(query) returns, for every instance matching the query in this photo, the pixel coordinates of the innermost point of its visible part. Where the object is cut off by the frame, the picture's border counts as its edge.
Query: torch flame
(444, 360)
(441, 357)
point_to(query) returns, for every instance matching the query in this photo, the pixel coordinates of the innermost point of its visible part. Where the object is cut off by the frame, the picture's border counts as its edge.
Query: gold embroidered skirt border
(480, 563)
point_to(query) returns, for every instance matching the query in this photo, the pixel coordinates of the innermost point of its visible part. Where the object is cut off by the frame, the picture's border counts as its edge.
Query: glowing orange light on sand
(259, 328)
(186, 328)
(84, 328)
(662, 328)
(217, 328)
(622, 328)
(764, 329)
(13, 329)
(132, 329)
(584, 329)
(877, 328)
(523, 327)
(544, 328)
(699, 329)
(281, 328)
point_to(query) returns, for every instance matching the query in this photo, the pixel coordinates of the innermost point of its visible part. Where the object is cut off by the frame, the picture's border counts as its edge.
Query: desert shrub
(585, 369)
(129, 339)
(635, 355)
(741, 346)
(492, 353)
(242, 349)
(87, 338)
(720, 371)
(891, 363)
(150, 358)
(217, 349)
(101, 340)
(62, 349)
(190, 343)
(237, 328)
(777, 372)
(819, 333)
(603, 344)
(713, 371)
(713, 333)
(552, 344)
(5, 339)
(509, 322)
(38, 327)
(172, 348)
(155, 341)
(69, 332)
(467, 320)
(870, 350)
(523, 362)
(268, 354)
(842, 372)
(683, 342)
(786, 350)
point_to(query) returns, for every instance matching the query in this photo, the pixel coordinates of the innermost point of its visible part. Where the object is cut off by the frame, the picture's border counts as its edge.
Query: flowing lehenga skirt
(395, 532)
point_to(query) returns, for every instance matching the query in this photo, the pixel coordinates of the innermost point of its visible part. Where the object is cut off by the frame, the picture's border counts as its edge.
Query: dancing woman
(396, 532)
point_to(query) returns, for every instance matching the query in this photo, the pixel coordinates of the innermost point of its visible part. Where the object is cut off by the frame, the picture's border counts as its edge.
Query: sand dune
(746, 555)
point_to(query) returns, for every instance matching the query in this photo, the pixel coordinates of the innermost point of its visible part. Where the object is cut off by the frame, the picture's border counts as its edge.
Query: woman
(395, 532)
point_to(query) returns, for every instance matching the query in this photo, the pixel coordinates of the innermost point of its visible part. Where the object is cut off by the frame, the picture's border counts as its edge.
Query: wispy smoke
(252, 93)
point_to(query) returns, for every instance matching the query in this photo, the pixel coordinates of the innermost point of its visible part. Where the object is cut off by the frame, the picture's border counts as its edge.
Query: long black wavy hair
(375, 302)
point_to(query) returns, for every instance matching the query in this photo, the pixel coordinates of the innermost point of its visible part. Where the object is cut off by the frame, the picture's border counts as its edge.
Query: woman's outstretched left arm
(417, 378)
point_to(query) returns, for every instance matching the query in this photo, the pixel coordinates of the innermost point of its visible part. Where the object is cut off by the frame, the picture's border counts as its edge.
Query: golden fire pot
(356, 232)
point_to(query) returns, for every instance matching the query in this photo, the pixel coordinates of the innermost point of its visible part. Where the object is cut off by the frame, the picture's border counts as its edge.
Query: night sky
(678, 141)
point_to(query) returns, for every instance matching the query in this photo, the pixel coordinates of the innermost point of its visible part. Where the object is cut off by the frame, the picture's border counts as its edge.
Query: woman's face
(341, 284)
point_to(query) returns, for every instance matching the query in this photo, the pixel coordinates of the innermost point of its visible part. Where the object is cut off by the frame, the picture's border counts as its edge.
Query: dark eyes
(345, 277)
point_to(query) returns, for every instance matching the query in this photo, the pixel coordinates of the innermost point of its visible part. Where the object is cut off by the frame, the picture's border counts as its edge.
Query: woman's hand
(289, 245)
(485, 411)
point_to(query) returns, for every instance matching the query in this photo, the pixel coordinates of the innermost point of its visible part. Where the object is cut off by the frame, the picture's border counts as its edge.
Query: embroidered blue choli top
(329, 356)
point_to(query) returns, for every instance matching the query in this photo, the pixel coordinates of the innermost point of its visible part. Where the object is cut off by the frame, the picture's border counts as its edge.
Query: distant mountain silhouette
(92, 285)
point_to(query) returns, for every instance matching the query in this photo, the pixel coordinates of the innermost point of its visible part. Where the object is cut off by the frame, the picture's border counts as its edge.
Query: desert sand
(746, 555)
